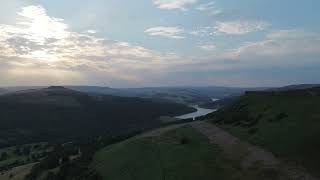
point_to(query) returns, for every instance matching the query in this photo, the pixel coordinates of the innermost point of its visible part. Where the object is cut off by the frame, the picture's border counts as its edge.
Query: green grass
(165, 157)
(294, 138)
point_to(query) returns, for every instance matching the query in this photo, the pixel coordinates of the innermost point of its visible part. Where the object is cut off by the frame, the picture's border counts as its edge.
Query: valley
(159, 90)
(261, 134)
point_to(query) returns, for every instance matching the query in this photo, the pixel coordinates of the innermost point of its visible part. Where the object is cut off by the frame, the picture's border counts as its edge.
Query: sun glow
(38, 33)
(37, 41)
(40, 27)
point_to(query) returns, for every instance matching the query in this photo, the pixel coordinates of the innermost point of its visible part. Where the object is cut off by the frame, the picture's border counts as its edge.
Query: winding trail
(249, 155)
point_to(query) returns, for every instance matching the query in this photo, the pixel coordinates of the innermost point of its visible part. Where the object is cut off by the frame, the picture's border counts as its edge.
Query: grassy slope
(164, 157)
(294, 138)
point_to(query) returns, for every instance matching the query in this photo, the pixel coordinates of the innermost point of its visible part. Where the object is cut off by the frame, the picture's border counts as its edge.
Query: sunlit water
(198, 113)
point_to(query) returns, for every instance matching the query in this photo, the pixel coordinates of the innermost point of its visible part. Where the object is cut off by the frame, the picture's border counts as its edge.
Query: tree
(26, 150)
(184, 140)
(4, 156)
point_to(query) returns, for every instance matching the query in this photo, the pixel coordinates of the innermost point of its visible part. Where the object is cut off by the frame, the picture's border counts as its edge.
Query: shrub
(184, 140)
(4, 156)
(253, 131)
(278, 117)
(281, 116)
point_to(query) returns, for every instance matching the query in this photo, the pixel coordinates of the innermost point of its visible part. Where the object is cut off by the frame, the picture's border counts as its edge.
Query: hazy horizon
(138, 87)
(159, 43)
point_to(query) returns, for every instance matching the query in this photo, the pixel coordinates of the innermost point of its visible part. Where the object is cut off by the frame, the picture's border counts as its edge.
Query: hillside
(295, 87)
(173, 153)
(262, 135)
(184, 95)
(184, 151)
(286, 123)
(58, 113)
(195, 150)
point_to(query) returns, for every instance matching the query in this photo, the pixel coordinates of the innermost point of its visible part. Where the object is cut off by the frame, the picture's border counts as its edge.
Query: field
(180, 153)
(285, 123)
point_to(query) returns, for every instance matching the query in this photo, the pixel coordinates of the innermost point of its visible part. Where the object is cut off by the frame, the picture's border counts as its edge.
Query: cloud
(283, 44)
(39, 26)
(208, 47)
(239, 27)
(174, 4)
(286, 49)
(210, 7)
(168, 32)
(202, 31)
(40, 49)
(230, 28)
(292, 34)
(38, 42)
(91, 31)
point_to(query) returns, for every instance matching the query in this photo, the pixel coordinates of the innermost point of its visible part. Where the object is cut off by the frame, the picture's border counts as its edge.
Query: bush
(253, 131)
(281, 116)
(184, 140)
(4, 156)
(278, 117)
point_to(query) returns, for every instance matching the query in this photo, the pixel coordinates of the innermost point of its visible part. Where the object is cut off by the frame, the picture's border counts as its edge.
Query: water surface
(198, 113)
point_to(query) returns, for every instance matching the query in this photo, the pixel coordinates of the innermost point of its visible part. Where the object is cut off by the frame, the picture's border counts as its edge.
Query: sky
(126, 43)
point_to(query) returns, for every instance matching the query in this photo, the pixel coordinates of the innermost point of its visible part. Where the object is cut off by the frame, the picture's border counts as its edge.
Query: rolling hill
(294, 87)
(285, 122)
(262, 135)
(59, 113)
(158, 157)
(172, 153)
(183, 95)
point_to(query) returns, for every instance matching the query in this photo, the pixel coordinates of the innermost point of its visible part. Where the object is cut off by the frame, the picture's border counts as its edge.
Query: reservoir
(198, 113)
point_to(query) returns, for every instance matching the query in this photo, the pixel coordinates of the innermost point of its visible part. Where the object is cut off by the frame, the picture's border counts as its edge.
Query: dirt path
(158, 132)
(17, 173)
(250, 156)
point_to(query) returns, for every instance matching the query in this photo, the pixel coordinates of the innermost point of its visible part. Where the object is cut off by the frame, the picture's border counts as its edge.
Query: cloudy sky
(135, 43)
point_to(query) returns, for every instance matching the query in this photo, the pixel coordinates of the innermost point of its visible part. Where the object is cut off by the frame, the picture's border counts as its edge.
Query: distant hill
(11, 89)
(294, 87)
(102, 90)
(285, 122)
(59, 113)
(184, 95)
(3, 91)
(210, 91)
